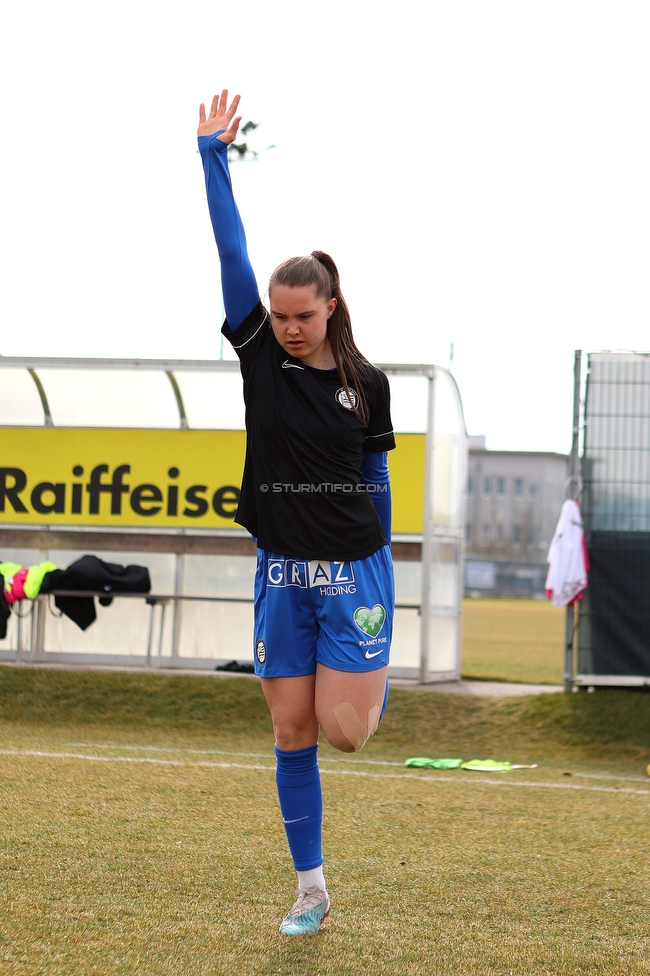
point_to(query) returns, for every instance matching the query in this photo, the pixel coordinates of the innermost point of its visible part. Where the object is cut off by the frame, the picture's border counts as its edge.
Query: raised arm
(216, 132)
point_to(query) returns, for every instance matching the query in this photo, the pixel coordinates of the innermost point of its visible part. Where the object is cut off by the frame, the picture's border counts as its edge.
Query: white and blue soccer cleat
(309, 912)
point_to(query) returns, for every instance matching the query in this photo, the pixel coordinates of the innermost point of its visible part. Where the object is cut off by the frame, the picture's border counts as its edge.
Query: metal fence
(613, 470)
(30, 619)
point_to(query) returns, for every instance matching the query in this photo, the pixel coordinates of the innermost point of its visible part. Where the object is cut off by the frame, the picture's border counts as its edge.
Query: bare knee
(339, 741)
(290, 736)
(346, 730)
(291, 703)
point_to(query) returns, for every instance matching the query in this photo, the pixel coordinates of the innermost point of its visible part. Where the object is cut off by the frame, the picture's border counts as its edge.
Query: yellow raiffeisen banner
(181, 478)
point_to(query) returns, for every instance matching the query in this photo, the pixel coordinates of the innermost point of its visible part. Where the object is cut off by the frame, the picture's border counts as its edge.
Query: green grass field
(513, 640)
(141, 834)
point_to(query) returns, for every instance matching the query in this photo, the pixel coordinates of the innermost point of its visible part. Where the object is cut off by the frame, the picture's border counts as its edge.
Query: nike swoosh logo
(297, 820)
(287, 365)
(374, 654)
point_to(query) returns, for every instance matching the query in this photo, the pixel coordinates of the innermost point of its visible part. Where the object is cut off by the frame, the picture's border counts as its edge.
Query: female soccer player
(315, 495)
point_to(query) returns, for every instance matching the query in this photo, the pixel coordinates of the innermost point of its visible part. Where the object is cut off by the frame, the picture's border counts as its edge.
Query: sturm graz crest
(348, 402)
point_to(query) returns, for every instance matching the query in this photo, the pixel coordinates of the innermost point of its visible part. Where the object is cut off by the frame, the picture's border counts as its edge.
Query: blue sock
(383, 707)
(301, 802)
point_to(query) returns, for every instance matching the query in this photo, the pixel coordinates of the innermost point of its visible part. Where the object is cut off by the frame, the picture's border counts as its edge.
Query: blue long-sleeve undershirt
(374, 471)
(238, 284)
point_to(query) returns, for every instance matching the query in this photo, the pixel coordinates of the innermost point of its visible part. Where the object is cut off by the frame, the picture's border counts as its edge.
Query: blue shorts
(335, 613)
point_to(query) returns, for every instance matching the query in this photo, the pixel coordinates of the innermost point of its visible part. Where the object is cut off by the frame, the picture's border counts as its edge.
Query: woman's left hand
(220, 117)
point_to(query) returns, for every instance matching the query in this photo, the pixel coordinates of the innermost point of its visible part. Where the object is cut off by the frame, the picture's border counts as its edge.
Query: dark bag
(5, 612)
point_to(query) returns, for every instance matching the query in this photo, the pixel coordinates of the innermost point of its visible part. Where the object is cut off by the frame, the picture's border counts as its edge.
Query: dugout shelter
(140, 461)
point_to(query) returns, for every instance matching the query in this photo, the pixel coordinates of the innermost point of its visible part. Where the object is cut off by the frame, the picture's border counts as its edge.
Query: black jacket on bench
(91, 573)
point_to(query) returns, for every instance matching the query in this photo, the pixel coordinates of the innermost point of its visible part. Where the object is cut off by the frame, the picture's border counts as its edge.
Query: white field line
(332, 772)
(629, 779)
(321, 759)
(38, 753)
(224, 752)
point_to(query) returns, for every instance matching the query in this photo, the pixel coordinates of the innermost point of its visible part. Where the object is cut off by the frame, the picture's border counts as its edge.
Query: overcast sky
(478, 170)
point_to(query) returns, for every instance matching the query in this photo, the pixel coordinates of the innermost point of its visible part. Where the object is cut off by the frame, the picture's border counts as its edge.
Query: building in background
(513, 504)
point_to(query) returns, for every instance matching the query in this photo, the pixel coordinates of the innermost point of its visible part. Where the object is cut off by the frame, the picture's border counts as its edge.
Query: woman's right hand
(220, 117)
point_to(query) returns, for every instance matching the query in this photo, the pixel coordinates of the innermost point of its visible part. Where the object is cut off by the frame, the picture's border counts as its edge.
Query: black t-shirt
(302, 493)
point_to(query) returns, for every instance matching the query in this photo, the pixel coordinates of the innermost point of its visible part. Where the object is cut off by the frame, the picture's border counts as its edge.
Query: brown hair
(319, 269)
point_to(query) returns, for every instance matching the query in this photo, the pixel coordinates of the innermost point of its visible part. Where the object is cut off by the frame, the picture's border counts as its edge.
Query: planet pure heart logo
(370, 621)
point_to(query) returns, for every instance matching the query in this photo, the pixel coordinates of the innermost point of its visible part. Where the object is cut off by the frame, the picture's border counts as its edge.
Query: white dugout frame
(442, 540)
